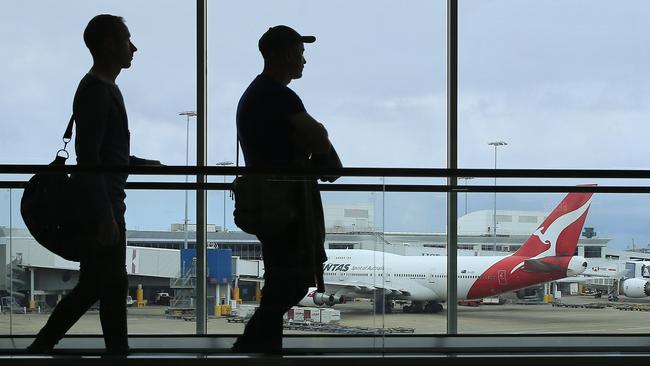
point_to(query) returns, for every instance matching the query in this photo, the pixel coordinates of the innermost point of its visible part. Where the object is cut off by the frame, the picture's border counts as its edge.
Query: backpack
(48, 206)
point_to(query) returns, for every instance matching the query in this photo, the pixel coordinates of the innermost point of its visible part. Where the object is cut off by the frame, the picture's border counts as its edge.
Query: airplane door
(432, 278)
(343, 276)
(387, 275)
(502, 277)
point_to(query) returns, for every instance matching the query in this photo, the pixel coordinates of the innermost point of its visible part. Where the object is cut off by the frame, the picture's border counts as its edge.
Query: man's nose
(133, 47)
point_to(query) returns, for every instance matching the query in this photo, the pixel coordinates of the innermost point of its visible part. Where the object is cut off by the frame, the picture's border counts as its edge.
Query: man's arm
(310, 132)
(134, 160)
(329, 160)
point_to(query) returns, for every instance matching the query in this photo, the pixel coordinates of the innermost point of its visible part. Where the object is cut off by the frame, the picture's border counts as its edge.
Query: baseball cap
(279, 37)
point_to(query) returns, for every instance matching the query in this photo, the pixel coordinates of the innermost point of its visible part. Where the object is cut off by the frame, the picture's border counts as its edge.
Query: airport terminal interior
(477, 139)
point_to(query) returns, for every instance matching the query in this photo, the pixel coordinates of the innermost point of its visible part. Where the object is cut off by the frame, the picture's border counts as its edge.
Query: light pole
(494, 215)
(187, 114)
(466, 179)
(224, 163)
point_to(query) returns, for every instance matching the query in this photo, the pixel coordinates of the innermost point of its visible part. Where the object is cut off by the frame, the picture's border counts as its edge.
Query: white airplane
(639, 285)
(547, 255)
(632, 281)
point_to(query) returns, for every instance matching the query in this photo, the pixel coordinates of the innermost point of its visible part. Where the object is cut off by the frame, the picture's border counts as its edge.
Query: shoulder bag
(48, 208)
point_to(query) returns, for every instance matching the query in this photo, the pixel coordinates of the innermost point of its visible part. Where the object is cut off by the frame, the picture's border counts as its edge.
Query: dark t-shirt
(263, 127)
(268, 140)
(102, 138)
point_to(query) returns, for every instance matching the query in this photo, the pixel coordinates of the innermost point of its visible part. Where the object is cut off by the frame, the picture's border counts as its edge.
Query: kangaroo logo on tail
(548, 233)
(557, 235)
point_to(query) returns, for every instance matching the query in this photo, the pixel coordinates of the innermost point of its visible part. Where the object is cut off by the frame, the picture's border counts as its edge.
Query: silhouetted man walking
(102, 138)
(275, 131)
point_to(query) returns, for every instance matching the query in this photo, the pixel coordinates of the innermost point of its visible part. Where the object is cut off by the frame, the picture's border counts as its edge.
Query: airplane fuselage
(425, 278)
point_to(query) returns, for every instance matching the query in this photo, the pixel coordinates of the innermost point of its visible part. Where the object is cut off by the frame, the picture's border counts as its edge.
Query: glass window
(366, 82)
(504, 218)
(519, 275)
(528, 219)
(593, 252)
(48, 59)
(552, 90)
(532, 94)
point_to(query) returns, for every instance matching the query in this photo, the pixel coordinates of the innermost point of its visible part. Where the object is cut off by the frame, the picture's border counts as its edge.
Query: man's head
(282, 48)
(109, 40)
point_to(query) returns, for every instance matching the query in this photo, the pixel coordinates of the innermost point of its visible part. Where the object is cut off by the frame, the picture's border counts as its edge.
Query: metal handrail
(344, 172)
(355, 172)
(421, 188)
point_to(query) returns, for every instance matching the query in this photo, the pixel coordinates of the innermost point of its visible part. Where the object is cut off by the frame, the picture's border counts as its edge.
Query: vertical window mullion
(201, 159)
(452, 164)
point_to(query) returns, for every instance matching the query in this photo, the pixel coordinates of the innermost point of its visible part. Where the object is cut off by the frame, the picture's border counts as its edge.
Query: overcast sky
(566, 84)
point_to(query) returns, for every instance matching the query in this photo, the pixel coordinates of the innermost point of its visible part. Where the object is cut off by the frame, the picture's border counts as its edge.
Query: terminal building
(161, 262)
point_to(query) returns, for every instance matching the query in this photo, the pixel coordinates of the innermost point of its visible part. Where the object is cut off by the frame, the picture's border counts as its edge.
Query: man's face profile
(296, 60)
(119, 48)
(124, 49)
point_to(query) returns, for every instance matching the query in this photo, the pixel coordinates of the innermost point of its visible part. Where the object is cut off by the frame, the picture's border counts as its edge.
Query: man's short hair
(280, 38)
(99, 28)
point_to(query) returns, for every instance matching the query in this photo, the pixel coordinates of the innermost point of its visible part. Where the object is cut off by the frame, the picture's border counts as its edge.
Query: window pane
(375, 77)
(154, 264)
(567, 93)
(346, 238)
(49, 59)
(577, 263)
(379, 90)
(12, 299)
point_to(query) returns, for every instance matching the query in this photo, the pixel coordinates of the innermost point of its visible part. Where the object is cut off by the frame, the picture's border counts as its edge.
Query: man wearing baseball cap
(275, 131)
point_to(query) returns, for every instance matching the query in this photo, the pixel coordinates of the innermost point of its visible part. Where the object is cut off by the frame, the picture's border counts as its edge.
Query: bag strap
(67, 137)
(237, 148)
(68, 131)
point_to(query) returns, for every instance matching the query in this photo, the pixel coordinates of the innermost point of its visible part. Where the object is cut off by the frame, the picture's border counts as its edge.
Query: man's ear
(288, 55)
(108, 45)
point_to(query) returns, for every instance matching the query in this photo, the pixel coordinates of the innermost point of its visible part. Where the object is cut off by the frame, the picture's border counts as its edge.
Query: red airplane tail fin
(559, 233)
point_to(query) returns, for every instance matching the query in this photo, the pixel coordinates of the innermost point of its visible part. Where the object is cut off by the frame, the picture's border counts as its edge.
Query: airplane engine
(325, 299)
(576, 266)
(635, 287)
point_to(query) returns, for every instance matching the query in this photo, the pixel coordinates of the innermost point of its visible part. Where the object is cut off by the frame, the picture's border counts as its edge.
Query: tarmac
(510, 318)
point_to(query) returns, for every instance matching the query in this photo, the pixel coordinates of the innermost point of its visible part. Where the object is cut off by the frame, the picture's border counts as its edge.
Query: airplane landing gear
(433, 307)
(415, 307)
(382, 304)
(421, 307)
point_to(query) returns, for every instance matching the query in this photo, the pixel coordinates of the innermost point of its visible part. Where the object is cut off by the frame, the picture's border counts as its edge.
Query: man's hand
(140, 161)
(108, 232)
(329, 160)
(153, 163)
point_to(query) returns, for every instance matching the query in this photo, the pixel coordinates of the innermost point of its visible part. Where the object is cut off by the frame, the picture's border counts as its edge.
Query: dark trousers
(102, 277)
(285, 284)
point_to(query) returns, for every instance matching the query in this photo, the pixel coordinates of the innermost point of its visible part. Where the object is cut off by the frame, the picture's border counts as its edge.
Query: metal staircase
(15, 283)
(184, 288)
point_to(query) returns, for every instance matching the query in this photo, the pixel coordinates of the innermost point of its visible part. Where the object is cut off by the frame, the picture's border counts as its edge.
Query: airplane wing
(340, 288)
